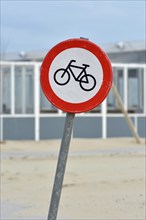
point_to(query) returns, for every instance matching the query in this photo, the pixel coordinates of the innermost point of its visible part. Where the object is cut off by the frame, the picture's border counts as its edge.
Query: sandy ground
(104, 180)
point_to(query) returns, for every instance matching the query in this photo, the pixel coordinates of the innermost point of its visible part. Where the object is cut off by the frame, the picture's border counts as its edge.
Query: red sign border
(100, 95)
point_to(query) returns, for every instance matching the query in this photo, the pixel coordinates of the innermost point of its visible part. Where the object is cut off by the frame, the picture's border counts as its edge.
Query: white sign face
(75, 75)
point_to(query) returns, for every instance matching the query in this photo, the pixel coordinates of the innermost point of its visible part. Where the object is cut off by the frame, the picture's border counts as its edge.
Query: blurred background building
(27, 115)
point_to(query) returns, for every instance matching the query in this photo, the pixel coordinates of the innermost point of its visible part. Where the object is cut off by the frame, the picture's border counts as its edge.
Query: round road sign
(76, 75)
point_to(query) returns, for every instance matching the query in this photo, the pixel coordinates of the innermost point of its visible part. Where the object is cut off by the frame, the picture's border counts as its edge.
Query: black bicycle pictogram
(86, 81)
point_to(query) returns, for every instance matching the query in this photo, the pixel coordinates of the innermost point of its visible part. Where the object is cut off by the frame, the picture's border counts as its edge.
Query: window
(29, 90)
(135, 90)
(18, 90)
(24, 89)
(5, 90)
(119, 83)
(45, 105)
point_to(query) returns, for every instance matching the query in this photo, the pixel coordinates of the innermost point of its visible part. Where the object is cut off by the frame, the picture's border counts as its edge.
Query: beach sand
(104, 180)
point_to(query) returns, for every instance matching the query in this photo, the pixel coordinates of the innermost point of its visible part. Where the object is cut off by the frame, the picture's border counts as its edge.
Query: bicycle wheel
(61, 77)
(87, 84)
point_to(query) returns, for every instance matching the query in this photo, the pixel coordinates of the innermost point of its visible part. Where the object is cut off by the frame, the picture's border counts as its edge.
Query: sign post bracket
(61, 165)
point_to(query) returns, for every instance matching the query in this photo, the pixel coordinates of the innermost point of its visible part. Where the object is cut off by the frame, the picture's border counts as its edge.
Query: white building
(27, 115)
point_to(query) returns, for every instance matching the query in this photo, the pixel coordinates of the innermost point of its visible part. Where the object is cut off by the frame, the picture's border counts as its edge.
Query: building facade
(25, 113)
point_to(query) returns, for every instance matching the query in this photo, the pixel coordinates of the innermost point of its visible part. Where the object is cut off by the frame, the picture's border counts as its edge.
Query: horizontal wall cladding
(51, 128)
(118, 127)
(128, 57)
(142, 126)
(87, 127)
(18, 129)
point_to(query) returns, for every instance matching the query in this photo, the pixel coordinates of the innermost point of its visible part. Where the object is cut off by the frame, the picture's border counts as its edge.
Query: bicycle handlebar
(72, 61)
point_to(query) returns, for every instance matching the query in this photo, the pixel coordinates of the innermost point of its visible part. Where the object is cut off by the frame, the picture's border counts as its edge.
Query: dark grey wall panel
(18, 129)
(87, 127)
(84, 127)
(117, 127)
(142, 126)
(51, 128)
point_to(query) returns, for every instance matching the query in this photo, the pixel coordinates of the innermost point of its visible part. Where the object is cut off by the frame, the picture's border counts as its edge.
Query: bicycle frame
(74, 66)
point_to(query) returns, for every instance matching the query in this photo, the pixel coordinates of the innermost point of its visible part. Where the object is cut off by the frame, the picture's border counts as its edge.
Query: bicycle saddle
(85, 65)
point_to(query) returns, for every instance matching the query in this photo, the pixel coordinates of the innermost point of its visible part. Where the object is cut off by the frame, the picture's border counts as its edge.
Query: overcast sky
(38, 25)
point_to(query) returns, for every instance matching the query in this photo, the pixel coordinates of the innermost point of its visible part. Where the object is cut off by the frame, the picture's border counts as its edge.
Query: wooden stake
(127, 118)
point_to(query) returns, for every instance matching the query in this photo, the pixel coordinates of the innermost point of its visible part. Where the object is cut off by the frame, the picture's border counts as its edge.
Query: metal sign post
(58, 181)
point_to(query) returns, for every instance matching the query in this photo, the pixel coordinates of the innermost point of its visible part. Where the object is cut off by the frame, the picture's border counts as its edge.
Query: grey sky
(37, 25)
